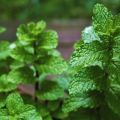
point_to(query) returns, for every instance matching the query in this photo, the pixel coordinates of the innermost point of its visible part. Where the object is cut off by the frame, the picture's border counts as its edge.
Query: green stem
(36, 73)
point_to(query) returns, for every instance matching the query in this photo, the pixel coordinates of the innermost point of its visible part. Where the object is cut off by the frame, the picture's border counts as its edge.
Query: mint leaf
(28, 112)
(4, 50)
(14, 103)
(5, 85)
(22, 75)
(102, 19)
(112, 98)
(75, 102)
(48, 40)
(87, 80)
(53, 65)
(88, 54)
(27, 33)
(21, 55)
(16, 109)
(51, 91)
(89, 35)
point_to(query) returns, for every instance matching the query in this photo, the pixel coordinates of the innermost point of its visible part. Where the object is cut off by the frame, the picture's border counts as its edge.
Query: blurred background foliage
(23, 10)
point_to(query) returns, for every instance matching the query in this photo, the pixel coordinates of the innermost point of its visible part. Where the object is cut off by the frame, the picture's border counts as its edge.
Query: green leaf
(16, 64)
(17, 110)
(36, 28)
(48, 39)
(94, 53)
(2, 101)
(116, 22)
(52, 65)
(2, 29)
(14, 103)
(89, 35)
(102, 20)
(113, 99)
(114, 73)
(4, 114)
(28, 112)
(86, 80)
(50, 91)
(5, 85)
(116, 49)
(4, 49)
(21, 55)
(27, 34)
(22, 75)
(74, 102)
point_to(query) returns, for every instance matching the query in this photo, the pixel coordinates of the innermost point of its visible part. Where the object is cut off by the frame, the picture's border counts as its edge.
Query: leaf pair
(15, 109)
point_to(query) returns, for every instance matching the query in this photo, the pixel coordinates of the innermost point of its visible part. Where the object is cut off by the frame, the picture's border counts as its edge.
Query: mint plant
(15, 109)
(94, 90)
(33, 59)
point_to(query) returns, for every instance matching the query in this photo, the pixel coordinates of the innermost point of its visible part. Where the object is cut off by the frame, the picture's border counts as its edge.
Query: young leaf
(102, 19)
(89, 35)
(27, 34)
(48, 40)
(14, 103)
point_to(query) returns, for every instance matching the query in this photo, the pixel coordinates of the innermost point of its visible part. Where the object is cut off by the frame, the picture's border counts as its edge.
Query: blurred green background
(67, 17)
(24, 10)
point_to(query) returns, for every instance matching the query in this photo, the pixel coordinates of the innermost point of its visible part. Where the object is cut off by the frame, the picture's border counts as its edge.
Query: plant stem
(36, 73)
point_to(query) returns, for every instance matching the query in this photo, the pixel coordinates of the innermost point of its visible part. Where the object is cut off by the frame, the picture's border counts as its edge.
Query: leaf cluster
(95, 69)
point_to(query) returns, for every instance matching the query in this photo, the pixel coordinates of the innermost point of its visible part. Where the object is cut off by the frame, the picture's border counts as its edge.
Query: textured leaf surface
(14, 103)
(75, 102)
(114, 73)
(102, 19)
(16, 109)
(53, 65)
(87, 80)
(48, 39)
(89, 54)
(28, 112)
(20, 54)
(112, 98)
(27, 33)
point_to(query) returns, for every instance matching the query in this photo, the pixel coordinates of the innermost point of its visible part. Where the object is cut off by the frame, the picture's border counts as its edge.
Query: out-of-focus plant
(46, 9)
(31, 59)
(19, 9)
